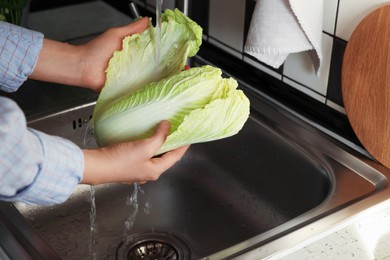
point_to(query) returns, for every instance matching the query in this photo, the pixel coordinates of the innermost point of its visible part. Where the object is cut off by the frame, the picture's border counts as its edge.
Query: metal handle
(134, 10)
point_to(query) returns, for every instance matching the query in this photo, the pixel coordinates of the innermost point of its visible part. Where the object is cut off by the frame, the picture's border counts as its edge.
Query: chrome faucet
(184, 6)
(134, 10)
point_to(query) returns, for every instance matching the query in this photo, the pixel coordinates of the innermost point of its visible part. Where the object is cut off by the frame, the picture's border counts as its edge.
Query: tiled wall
(226, 23)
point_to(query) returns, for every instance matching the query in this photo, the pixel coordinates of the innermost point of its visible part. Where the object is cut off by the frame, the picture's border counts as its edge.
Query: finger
(168, 159)
(159, 136)
(135, 27)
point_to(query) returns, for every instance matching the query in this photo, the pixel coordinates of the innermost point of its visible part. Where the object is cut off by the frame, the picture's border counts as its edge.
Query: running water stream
(90, 142)
(92, 219)
(132, 199)
(158, 30)
(132, 202)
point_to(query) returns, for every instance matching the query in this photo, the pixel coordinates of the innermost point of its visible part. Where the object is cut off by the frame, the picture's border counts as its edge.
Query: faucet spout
(184, 6)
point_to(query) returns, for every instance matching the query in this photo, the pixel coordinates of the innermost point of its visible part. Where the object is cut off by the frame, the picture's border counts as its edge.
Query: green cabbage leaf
(145, 57)
(200, 105)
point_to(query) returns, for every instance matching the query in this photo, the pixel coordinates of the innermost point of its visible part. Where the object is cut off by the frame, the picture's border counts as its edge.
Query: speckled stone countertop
(368, 237)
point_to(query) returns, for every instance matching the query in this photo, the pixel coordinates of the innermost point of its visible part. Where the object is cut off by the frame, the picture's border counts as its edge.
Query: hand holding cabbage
(142, 89)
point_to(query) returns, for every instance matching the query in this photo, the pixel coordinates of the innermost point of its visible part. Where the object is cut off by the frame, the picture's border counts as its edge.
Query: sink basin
(277, 178)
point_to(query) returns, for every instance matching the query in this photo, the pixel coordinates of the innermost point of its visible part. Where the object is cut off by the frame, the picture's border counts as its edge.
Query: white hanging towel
(281, 27)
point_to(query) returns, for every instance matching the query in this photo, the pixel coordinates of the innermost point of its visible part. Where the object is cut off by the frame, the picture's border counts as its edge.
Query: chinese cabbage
(200, 105)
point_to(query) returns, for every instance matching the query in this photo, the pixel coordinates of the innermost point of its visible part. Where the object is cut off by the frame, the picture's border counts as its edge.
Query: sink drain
(153, 246)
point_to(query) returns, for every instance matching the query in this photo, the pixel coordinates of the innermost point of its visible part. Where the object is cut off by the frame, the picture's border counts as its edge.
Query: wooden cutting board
(366, 83)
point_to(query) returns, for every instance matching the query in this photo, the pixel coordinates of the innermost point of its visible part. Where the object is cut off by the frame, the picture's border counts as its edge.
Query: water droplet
(147, 207)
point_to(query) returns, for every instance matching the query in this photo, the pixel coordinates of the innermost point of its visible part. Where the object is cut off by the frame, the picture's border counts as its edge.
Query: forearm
(61, 63)
(82, 65)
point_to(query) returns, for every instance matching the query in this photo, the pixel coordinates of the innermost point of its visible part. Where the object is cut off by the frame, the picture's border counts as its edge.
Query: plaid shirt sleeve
(34, 167)
(19, 50)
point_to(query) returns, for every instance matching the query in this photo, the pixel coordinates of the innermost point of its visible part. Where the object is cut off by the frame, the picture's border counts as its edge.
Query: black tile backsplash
(334, 84)
(326, 88)
(200, 13)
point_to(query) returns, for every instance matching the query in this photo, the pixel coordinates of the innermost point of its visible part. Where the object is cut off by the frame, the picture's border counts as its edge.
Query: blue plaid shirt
(34, 167)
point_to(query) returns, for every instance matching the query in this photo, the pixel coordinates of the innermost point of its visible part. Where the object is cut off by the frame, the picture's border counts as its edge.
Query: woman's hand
(82, 65)
(98, 52)
(132, 161)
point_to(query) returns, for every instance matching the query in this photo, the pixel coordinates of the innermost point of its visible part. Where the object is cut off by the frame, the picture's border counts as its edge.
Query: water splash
(132, 202)
(93, 225)
(147, 207)
(89, 137)
(158, 30)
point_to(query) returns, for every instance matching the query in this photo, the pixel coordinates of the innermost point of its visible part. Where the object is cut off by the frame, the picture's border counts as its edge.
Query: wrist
(94, 167)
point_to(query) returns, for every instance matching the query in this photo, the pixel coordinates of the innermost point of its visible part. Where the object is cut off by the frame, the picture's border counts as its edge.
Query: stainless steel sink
(277, 183)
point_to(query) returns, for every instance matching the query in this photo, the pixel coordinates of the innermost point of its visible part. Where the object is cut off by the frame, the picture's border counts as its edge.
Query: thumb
(135, 27)
(159, 136)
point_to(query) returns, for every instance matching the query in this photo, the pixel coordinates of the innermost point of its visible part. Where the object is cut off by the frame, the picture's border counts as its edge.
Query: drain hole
(153, 250)
(153, 246)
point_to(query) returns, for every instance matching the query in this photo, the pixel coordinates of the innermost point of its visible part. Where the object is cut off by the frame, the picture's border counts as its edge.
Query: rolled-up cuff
(61, 170)
(20, 48)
